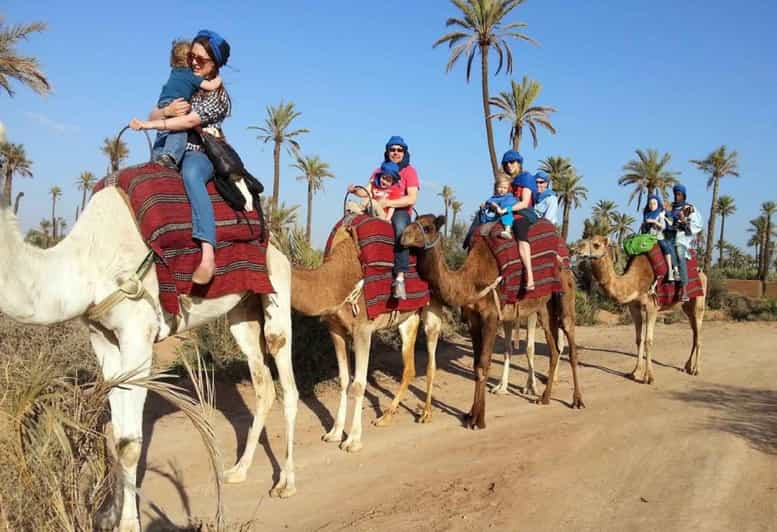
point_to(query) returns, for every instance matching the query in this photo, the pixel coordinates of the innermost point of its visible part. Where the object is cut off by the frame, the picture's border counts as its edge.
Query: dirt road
(688, 453)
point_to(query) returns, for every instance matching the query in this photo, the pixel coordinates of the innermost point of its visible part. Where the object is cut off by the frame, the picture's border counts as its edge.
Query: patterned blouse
(212, 107)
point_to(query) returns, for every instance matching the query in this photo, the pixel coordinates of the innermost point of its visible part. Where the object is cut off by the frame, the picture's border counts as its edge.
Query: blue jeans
(197, 170)
(679, 256)
(400, 220)
(172, 143)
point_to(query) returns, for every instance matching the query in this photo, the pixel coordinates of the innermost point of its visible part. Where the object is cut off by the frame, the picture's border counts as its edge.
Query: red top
(392, 192)
(518, 192)
(408, 177)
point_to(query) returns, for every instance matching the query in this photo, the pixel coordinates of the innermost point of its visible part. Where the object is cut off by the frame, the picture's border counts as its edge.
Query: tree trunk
(453, 222)
(766, 252)
(77, 213)
(19, 197)
(309, 224)
(711, 224)
(445, 201)
(83, 199)
(7, 188)
(276, 181)
(517, 137)
(53, 219)
(484, 86)
(722, 228)
(565, 222)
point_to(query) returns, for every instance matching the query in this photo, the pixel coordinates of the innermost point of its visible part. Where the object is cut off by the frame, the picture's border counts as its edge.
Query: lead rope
(132, 289)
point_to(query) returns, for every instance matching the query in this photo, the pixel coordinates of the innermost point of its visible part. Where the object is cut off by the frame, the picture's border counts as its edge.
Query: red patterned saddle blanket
(546, 245)
(375, 238)
(158, 200)
(668, 292)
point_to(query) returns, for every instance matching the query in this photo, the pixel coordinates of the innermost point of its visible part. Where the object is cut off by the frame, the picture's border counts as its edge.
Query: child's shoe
(507, 234)
(399, 289)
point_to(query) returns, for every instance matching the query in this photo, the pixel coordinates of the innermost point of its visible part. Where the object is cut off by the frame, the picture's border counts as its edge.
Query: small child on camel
(654, 222)
(382, 187)
(169, 146)
(500, 206)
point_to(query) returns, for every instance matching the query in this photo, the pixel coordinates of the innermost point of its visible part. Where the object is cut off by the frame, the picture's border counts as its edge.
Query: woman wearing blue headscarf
(654, 223)
(208, 109)
(525, 191)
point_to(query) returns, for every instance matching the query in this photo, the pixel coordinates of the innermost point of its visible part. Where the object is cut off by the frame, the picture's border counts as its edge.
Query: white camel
(103, 250)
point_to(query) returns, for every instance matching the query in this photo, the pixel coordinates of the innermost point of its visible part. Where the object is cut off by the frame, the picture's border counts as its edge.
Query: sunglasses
(540, 182)
(396, 150)
(198, 59)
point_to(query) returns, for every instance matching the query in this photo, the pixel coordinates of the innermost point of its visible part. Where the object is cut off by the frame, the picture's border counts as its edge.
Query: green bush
(716, 290)
(742, 308)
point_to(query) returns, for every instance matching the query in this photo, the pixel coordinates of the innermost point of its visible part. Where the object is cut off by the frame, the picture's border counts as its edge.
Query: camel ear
(439, 222)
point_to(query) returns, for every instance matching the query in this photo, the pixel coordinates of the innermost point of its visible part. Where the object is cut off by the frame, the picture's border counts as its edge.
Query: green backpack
(638, 244)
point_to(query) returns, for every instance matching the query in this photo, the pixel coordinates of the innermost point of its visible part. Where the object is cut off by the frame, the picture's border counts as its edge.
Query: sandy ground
(687, 453)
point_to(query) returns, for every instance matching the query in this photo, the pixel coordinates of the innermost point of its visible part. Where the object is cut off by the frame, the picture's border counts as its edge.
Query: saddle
(158, 200)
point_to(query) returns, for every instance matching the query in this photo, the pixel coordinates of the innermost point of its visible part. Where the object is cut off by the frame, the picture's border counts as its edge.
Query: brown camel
(327, 292)
(632, 289)
(464, 287)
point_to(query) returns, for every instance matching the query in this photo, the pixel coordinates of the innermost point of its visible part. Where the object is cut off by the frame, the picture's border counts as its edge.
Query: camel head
(424, 232)
(594, 247)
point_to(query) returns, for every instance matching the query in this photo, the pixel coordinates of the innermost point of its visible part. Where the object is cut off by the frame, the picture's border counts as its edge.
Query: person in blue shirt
(182, 83)
(546, 205)
(500, 207)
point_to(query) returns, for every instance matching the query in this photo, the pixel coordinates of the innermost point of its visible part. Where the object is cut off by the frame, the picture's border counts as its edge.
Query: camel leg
(338, 335)
(432, 318)
(636, 317)
(408, 331)
(483, 335)
(503, 387)
(694, 309)
(544, 320)
(246, 333)
(281, 352)
(651, 315)
(128, 350)
(362, 339)
(531, 342)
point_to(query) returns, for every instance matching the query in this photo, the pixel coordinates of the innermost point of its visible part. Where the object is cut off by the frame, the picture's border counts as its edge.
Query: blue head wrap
(217, 43)
(677, 205)
(510, 156)
(387, 168)
(548, 191)
(396, 140)
(653, 215)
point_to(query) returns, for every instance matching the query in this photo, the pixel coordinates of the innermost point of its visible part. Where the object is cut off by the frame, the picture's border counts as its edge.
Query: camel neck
(320, 291)
(634, 282)
(457, 287)
(44, 286)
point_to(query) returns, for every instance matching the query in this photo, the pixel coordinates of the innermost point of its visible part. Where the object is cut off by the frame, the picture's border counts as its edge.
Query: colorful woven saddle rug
(375, 241)
(161, 207)
(668, 292)
(545, 247)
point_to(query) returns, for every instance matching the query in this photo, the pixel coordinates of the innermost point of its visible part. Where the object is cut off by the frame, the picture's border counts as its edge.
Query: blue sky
(683, 77)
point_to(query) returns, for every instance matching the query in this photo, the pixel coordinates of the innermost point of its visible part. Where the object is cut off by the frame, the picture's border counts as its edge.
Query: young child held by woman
(500, 207)
(382, 186)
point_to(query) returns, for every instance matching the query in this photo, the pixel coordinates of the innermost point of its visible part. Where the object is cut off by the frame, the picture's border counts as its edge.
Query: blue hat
(396, 140)
(540, 175)
(219, 46)
(510, 156)
(388, 168)
(680, 188)
(657, 198)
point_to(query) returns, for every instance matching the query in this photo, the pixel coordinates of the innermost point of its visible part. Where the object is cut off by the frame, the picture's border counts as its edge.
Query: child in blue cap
(500, 207)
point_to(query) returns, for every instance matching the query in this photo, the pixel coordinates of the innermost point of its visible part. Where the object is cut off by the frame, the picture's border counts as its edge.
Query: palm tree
(447, 198)
(55, 193)
(570, 196)
(116, 150)
(276, 129)
(19, 197)
(621, 226)
(648, 173)
(25, 70)
(604, 212)
(61, 225)
(767, 210)
(14, 162)
(314, 170)
(478, 30)
(456, 206)
(516, 106)
(281, 219)
(726, 207)
(758, 230)
(85, 182)
(718, 164)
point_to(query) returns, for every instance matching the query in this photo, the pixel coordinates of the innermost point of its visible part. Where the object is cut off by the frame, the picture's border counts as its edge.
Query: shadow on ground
(748, 413)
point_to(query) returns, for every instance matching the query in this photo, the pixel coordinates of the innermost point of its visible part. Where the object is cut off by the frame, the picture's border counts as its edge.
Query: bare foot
(204, 273)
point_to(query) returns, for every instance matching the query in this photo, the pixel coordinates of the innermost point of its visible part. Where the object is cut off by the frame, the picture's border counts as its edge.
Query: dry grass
(55, 472)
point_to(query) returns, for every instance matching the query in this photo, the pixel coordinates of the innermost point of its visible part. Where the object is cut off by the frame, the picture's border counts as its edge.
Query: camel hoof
(649, 380)
(577, 402)
(425, 417)
(545, 399)
(351, 446)
(385, 420)
(499, 390)
(283, 492)
(333, 436)
(633, 376)
(234, 475)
